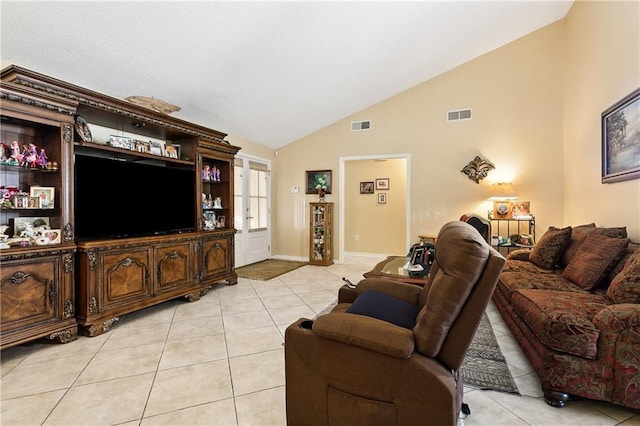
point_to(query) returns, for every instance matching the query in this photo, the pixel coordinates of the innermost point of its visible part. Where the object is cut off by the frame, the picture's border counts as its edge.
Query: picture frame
(311, 180)
(382, 184)
(366, 187)
(521, 210)
(20, 223)
(46, 194)
(172, 151)
(33, 203)
(220, 222)
(382, 198)
(121, 142)
(156, 148)
(53, 236)
(620, 127)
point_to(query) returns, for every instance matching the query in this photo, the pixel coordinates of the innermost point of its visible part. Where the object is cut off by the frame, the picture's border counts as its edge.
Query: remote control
(348, 283)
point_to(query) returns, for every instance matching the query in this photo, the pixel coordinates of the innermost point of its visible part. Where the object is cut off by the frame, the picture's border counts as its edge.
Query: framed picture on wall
(315, 177)
(620, 126)
(382, 184)
(382, 198)
(366, 188)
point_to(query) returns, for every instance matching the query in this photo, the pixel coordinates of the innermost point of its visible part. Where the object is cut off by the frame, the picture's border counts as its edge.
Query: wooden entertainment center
(57, 288)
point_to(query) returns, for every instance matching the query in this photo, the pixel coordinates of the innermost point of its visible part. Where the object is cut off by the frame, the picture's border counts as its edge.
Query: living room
(536, 103)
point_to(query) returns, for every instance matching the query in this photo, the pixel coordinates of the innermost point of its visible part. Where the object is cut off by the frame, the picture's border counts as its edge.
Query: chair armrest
(403, 291)
(366, 332)
(618, 317)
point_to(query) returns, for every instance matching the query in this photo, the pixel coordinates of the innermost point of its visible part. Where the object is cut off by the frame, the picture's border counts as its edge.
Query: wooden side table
(392, 268)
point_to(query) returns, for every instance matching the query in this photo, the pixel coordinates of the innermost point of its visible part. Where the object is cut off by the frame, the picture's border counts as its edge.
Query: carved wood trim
(64, 336)
(69, 310)
(93, 305)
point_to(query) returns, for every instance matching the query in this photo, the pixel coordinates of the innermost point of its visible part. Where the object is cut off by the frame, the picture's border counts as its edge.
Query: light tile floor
(219, 361)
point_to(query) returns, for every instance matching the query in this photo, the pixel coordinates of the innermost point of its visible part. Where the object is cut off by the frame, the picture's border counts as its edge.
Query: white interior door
(252, 205)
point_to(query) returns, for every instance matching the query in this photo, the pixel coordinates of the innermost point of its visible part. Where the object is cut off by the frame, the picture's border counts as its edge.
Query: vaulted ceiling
(269, 72)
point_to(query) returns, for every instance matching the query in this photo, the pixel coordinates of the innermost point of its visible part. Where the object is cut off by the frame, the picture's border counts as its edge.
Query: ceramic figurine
(206, 173)
(31, 157)
(217, 203)
(16, 155)
(3, 153)
(42, 159)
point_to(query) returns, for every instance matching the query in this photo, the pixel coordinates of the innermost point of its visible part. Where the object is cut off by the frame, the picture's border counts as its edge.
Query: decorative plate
(82, 128)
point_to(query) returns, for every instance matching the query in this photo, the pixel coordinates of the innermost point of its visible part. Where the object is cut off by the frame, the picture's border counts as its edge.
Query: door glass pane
(257, 195)
(238, 184)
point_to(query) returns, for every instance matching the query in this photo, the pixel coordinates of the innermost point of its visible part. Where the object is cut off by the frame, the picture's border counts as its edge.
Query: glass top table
(393, 268)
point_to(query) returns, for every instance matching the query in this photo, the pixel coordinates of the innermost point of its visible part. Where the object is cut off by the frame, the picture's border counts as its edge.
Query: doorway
(384, 210)
(252, 205)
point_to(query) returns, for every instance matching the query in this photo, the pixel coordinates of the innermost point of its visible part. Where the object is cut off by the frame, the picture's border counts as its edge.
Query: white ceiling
(269, 72)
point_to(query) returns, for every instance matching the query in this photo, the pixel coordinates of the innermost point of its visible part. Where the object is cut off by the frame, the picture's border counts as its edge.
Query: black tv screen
(120, 199)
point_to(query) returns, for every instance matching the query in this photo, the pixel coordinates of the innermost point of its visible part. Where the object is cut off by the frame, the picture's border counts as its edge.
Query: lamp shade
(502, 191)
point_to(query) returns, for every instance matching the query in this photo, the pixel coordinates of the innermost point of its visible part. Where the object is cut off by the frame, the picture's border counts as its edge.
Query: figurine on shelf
(42, 159)
(3, 153)
(16, 155)
(204, 201)
(31, 156)
(206, 173)
(215, 174)
(217, 203)
(209, 202)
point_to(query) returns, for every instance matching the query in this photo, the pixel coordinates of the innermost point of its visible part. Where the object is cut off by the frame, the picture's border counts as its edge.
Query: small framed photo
(46, 195)
(156, 148)
(220, 222)
(53, 236)
(33, 203)
(521, 210)
(142, 146)
(20, 201)
(620, 125)
(120, 142)
(316, 177)
(382, 198)
(382, 184)
(171, 151)
(366, 187)
(22, 223)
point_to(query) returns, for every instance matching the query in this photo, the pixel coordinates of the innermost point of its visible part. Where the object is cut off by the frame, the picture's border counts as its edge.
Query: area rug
(267, 269)
(484, 366)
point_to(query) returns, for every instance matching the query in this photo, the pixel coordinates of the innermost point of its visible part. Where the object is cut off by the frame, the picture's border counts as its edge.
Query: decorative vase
(321, 194)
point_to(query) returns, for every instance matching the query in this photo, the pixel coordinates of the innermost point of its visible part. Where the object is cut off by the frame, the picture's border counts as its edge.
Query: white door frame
(245, 234)
(341, 186)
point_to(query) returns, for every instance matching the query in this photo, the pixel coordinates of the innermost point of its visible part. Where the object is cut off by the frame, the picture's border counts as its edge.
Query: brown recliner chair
(349, 367)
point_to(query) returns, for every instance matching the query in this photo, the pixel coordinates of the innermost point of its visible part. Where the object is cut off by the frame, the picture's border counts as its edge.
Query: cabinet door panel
(29, 293)
(216, 256)
(126, 277)
(174, 266)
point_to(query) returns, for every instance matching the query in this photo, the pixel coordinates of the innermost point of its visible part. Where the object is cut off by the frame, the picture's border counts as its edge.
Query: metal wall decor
(477, 169)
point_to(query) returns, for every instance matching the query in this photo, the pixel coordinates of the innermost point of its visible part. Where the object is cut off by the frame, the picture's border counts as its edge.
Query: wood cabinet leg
(65, 336)
(93, 331)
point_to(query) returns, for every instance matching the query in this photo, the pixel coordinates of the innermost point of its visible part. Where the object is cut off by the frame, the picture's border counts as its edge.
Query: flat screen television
(121, 199)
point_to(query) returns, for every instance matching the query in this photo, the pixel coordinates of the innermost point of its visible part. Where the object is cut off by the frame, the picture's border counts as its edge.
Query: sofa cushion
(511, 281)
(593, 259)
(379, 305)
(631, 248)
(578, 234)
(625, 287)
(547, 252)
(562, 320)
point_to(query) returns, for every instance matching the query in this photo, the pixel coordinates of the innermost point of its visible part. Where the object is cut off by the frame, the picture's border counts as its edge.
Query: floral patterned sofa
(573, 305)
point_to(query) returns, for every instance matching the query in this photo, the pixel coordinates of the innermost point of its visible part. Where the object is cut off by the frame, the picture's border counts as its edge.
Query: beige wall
(370, 227)
(516, 96)
(602, 67)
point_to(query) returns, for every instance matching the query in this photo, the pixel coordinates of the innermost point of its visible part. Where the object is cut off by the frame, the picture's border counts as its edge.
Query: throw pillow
(578, 234)
(595, 255)
(625, 287)
(379, 305)
(550, 247)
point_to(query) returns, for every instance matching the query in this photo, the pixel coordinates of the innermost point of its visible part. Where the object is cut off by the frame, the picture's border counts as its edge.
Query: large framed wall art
(621, 140)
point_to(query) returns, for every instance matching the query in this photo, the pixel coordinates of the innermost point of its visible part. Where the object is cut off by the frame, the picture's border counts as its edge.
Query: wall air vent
(360, 125)
(460, 114)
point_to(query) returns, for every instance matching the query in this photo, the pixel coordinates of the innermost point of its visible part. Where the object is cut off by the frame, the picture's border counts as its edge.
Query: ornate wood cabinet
(122, 276)
(37, 297)
(321, 238)
(113, 275)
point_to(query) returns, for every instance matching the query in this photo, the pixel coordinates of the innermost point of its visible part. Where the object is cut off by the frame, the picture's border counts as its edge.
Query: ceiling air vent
(360, 125)
(460, 114)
